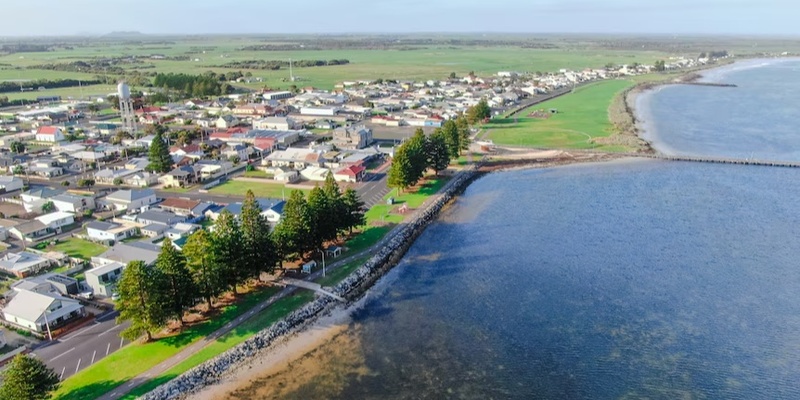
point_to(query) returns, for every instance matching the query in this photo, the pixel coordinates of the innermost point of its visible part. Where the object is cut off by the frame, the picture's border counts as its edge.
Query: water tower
(126, 108)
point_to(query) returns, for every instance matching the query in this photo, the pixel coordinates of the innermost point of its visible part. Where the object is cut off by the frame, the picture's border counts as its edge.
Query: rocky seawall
(351, 288)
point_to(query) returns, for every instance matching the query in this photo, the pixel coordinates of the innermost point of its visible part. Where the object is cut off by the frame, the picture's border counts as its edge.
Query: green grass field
(137, 358)
(260, 189)
(79, 248)
(65, 93)
(581, 116)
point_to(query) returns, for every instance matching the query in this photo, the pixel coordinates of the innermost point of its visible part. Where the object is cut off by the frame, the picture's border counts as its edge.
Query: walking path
(165, 365)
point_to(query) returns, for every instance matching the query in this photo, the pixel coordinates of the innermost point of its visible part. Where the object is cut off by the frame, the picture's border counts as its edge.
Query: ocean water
(625, 280)
(758, 119)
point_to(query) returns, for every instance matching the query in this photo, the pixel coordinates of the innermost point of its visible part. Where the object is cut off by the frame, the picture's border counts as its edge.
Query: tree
(322, 227)
(660, 66)
(479, 112)
(452, 138)
(48, 207)
(117, 181)
(17, 147)
(353, 210)
(228, 249)
(336, 208)
(203, 266)
(293, 233)
(158, 155)
(462, 125)
(258, 255)
(18, 170)
(452, 75)
(401, 173)
(438, 158)
(179, 290)
(140, 301)
(27, 378)
(85, 182)
(416, 153)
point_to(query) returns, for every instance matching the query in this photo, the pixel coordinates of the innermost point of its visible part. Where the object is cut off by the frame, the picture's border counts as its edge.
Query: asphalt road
(373, 188)
(82, 348)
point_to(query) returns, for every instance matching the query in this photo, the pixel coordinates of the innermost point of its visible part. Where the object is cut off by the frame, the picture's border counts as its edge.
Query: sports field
(579, 117)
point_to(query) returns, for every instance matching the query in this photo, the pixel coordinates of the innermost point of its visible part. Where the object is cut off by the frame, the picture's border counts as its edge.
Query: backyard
(79, 248)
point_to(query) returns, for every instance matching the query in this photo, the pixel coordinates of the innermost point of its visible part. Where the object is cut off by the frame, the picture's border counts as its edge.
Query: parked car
(115, 296)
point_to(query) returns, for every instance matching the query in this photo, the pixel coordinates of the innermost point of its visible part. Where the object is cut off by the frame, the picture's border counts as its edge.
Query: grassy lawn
(581, 116)
(257, 174)
(278, 310)
(179, 189)
(338, 274)
(79, 248)
(267, 190)
(136, 358)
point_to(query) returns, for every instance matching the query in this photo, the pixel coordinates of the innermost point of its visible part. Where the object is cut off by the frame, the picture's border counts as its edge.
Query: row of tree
(7, 87)
(192, 85)
(279, 64)
(236, 251)
(421, 152)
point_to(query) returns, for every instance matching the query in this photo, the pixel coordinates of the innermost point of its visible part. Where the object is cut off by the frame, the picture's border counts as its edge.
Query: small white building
(57, 220)
(103, 279)
(40, 312)
(109, 231)
(10, 183)
(50, 134)
(23, 264)
(131, 199)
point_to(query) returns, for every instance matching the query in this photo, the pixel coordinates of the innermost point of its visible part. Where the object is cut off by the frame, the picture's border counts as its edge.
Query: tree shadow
(89, 391)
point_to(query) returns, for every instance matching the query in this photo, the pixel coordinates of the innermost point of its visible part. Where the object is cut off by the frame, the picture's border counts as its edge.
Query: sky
(59, 17)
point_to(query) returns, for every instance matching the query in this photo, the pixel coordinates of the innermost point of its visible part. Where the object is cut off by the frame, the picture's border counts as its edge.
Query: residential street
(79, 349)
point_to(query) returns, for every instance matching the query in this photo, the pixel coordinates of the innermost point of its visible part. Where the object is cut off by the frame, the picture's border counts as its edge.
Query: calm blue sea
(628, 280)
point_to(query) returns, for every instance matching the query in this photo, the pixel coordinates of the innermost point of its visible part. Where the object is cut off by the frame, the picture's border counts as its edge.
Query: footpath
(165, 365)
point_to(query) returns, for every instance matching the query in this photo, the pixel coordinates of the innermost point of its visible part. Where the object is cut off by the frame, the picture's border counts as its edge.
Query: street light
(323, 261)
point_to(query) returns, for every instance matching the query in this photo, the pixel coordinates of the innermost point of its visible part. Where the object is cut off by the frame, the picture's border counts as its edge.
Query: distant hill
(123, 34)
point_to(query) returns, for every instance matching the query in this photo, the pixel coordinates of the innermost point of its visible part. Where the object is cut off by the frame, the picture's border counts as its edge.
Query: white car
(115, 296)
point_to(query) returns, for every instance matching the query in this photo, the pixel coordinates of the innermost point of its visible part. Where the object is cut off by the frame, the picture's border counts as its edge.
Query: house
(352, 137)
(159, 217)
(127, 252)
(48, 283)
(179, 206)
(109, 231)
(10, 184)
(352, 173)
(209, 169)
(238, 150)
(181, 230)
(294, 158)
(277, 123)
(274, 213)
(180, 177)
(140, 179)
(131, 199)
(31, 231)
(236, 208)
(154, 230)
(33, 199)
(73, 203)
(50, 134)
(23, 264)
(103, 279)
(57, 220)
(226, 121)
(40, 312)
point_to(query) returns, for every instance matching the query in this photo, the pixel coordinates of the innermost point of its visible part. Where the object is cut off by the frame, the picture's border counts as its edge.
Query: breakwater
(721, 160)
(350, 288)
(708, 84)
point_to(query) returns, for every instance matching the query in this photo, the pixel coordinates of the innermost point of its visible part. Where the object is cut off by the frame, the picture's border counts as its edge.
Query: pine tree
(401, 173)
(320, 225)
(203, 266)
(27, 378)
(479, 112)
(438, 158)
(462, 125)
(416, 153)
(158, 155)
(228, 249)
(336, 211)
(139, 301)
(293, 231)
(353, 210)
(179, 289)
(258, 254)
(452, 138)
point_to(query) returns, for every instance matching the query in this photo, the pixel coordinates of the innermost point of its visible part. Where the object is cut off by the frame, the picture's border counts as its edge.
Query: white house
(23, 264)
(276, 123)
(109, 231)
(103, 279)
(51, 134)
(33, 199)
(131, 199)
(57, 220)
(10, 183)
(73, 203)
(42, 312)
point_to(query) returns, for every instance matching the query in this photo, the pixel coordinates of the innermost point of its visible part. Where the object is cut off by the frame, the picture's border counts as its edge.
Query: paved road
(374, 187)
(80, 349)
